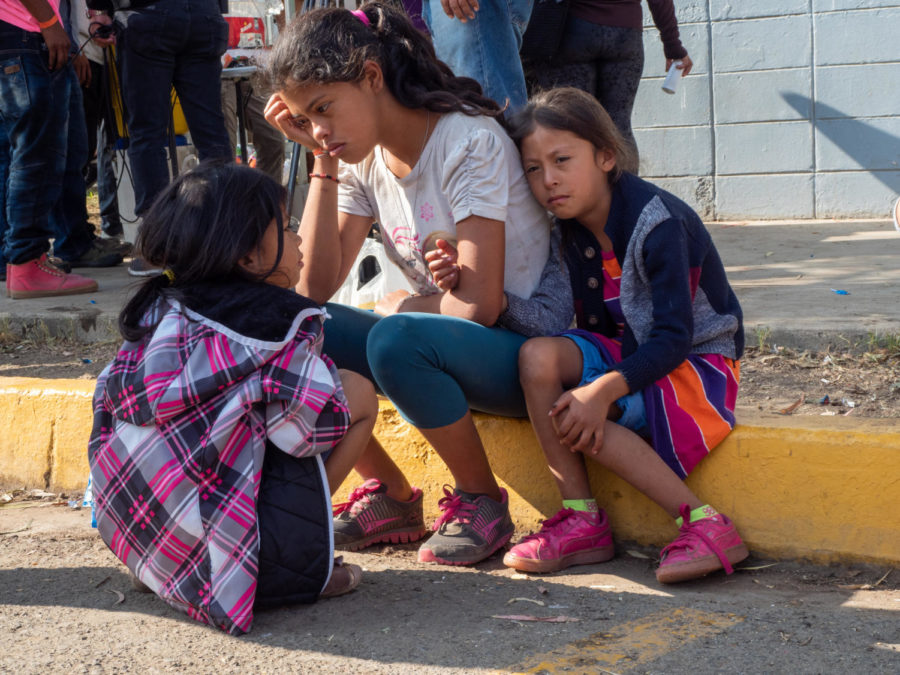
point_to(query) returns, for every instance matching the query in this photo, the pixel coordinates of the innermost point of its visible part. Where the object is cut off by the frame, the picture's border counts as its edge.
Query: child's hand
(390, 304)
(579, 417)
(278, 115)
(442, 263)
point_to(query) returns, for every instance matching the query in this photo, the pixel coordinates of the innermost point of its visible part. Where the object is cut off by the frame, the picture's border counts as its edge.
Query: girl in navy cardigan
(646, 384)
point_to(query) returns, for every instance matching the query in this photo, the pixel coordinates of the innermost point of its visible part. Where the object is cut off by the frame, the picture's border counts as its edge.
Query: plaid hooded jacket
(182, 420)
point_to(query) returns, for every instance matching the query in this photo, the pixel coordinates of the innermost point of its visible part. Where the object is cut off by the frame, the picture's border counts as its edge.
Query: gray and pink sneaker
(371, 517)
(469, 529)
(568, 538)
(704, 546)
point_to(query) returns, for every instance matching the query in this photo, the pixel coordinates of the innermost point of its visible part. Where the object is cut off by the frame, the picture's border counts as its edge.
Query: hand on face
(277, 114)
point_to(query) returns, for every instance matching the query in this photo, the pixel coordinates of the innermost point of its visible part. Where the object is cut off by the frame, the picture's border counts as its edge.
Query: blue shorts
(634, 414)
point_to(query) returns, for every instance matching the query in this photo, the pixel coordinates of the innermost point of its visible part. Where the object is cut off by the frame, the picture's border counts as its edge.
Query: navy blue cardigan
(675, 295)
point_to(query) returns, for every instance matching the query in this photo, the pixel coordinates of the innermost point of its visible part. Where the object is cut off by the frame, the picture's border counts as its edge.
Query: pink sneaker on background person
(370, 516)
(568, 538)
(39, 278)
(704, 546)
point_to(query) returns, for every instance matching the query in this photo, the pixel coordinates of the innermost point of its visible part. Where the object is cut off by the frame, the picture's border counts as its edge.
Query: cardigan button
(589, 252)
(592, 282)
(593, 320)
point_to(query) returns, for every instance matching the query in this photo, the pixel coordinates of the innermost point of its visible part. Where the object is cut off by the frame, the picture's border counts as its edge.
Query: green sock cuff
(701, 512)
(581, 505)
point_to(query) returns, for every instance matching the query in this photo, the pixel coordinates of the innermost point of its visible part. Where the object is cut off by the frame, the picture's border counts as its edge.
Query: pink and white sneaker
(568, 538)
(371, 517)
(704, 546)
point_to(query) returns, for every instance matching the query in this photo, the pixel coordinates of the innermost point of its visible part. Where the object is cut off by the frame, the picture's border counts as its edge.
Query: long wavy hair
(332, 45)
(198, 229)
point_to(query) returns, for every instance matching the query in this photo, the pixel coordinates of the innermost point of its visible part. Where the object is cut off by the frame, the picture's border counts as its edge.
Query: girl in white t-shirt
(420, 151)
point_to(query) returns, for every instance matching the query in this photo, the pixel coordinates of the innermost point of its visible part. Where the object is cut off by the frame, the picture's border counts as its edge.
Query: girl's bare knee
(360, 393)
(539, 361)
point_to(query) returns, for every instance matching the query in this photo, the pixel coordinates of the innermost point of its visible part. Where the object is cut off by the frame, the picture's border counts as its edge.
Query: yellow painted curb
(822, 489)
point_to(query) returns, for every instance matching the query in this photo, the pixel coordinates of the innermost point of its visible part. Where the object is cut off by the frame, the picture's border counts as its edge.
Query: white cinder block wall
(792, 109)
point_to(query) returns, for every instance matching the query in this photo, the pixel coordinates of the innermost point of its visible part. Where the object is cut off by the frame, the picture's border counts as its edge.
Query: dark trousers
(98, 136)
(171, 43)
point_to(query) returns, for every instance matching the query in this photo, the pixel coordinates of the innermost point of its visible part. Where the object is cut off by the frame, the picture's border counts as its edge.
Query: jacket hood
(205, 342)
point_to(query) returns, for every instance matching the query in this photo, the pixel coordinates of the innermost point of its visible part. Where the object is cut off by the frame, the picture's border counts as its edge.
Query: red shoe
(40, 279)
(568, 538)
(704, 546)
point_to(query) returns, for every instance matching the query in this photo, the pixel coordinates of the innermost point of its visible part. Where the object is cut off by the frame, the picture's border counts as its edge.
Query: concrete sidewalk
(784, 273)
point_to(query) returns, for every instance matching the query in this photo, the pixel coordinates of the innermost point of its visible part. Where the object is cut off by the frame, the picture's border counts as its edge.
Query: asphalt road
(66, 605)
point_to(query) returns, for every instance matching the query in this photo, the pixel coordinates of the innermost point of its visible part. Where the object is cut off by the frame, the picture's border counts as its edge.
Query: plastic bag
(371, 278)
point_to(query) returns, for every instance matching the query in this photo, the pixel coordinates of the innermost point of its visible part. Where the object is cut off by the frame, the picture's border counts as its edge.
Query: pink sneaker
(704, 546)
(371, 517)
(39, 278)
(568, 538)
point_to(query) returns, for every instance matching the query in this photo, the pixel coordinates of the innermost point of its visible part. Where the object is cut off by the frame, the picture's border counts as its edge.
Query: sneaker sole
(24, 295)
(427, 555)
(695, 569)
(393, 537)
(590, 557)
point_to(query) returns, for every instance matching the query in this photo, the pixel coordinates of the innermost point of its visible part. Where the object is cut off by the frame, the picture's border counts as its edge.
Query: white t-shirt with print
(469, 167)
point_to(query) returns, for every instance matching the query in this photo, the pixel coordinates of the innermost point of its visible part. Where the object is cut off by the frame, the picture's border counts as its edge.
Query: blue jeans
(69, 216)
(171, 43)
(485, 48)
(34, 109)
(434, 368)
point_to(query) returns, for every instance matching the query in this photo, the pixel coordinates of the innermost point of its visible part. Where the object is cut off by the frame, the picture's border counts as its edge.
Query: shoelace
(691, 536)
(360, 494)
(549, 524)
(453, 508)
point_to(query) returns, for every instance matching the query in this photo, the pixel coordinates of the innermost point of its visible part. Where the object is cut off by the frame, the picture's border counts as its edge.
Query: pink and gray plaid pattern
(180, 426)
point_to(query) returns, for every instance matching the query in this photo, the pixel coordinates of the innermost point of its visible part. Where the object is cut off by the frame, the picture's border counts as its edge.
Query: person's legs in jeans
(69, 217)
(34, 107)
(197, 73)
(485, 48)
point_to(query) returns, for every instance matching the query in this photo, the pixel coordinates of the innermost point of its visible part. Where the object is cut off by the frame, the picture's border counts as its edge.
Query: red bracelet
(324, 175)
(48, 22)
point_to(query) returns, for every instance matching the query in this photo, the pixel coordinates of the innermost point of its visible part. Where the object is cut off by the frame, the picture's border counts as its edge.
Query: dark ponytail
(332, 45)
(198, 230)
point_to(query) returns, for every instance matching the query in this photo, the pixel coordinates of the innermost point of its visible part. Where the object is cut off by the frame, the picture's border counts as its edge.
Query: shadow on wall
(854, 137)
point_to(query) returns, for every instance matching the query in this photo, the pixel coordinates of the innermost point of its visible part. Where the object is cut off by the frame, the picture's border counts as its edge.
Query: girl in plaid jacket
(219, 426)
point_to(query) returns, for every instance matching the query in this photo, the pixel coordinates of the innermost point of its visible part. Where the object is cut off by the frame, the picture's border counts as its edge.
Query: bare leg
(630, 457)
(363, 413)
(376, 463)
(548, 367)
(459, 445)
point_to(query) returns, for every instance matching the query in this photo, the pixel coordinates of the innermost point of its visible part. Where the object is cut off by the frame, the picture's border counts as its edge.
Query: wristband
(325, 176)
(48, 22)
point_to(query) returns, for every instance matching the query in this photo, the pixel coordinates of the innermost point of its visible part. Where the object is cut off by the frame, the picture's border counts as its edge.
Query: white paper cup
(672, 77)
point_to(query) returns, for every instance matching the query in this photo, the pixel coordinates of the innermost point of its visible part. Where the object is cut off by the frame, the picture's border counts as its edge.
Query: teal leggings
(434, 368)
